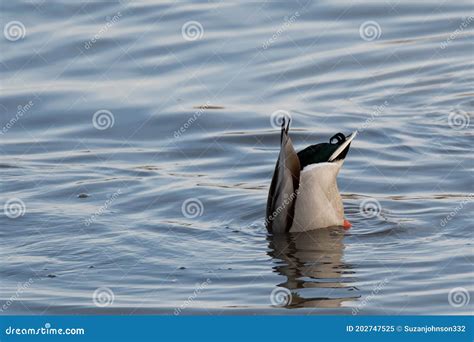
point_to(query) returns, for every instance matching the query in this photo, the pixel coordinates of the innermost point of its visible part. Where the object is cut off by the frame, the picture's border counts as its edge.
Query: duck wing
(284, 186)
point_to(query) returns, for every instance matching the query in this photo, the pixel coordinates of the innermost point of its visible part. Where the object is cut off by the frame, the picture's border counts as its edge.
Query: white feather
(343, 146)
(319, 203)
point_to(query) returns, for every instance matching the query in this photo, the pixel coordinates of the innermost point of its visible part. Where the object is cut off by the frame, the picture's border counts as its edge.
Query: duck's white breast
(319, 203)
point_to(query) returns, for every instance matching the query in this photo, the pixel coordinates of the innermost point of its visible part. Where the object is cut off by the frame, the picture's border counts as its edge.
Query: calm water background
(103, 208)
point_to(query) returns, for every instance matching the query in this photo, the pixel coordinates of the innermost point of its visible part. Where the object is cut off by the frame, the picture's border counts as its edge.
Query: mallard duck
(303, 193)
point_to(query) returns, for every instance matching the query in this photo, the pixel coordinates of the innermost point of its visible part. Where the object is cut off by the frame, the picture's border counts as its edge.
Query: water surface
(161, 208)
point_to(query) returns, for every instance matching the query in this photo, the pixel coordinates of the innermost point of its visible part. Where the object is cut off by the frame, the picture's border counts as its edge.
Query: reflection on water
(312, 261)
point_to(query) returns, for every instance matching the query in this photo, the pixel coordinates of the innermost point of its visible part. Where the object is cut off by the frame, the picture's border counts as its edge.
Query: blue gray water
(138, 141)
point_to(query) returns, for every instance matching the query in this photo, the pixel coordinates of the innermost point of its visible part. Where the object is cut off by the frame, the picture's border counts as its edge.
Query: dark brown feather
(284, 187)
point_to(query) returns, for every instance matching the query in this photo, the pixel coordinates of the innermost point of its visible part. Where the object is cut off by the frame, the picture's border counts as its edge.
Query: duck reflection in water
(313, 264)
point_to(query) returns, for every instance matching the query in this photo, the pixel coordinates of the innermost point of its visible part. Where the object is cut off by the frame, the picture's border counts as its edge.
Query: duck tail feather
(284, 187)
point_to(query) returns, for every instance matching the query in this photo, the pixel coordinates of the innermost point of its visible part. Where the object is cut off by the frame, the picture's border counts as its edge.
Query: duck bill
(342, 150)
